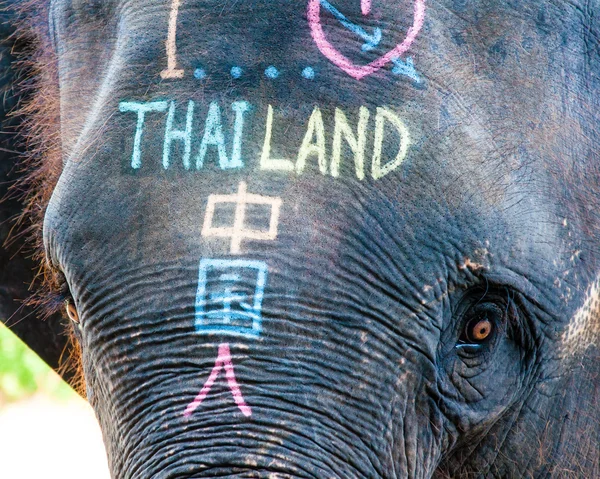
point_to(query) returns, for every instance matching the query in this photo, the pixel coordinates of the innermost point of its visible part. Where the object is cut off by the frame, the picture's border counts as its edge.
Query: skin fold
(294, 254)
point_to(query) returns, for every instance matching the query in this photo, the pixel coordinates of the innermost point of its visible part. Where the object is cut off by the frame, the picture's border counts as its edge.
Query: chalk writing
(378, 170)
(184, 135)
(213, 133)
(272, 72)
(172, 71)
(238, 231)
(337, 58)
(141, 109)
(266, 162)
(223, 361)
(315, 130)
(240, 108)
(356, 142)
(313, 146)
(365, 6)
(200, 74)
(406, 68)
(229, 297)
(236, 72)
(308, 73)
(371, 40)
(213, 136)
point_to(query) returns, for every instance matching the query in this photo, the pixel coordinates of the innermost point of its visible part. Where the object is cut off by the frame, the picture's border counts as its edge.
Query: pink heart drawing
(336, 57)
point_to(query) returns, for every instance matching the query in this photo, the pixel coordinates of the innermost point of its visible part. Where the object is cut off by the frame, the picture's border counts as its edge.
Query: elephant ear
(47, 337)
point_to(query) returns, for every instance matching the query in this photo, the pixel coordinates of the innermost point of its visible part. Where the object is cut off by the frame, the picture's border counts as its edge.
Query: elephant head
(330, 239)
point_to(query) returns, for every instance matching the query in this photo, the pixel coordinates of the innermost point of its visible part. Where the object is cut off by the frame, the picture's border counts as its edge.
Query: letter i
(172, 71)
(239, 107)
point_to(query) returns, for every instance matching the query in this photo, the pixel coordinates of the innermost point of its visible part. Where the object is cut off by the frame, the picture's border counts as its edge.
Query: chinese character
(238, 231)
(223, 361)
(229, 297)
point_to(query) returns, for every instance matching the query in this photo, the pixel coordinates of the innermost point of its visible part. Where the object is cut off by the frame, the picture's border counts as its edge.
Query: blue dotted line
(271, 72)
(401, 67)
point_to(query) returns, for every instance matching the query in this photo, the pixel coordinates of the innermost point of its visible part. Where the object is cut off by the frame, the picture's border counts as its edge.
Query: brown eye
(72, 312)
(479, 330)
(481, 322)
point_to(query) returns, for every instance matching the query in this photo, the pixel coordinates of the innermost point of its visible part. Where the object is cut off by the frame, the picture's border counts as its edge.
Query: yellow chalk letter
(357, 145)
(308, 148)
(383, 114)
(266, 162)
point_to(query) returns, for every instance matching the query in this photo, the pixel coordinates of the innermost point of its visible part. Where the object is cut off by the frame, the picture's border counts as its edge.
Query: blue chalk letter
(183, 135)
(229, 297)
(141, 109)
(239, 107)
(213, 135)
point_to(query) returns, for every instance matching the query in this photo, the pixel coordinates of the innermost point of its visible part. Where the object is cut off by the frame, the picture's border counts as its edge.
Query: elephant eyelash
(66, 298)
(62, 287)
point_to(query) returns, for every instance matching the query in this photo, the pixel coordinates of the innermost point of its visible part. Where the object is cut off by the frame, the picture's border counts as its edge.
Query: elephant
(325, 238)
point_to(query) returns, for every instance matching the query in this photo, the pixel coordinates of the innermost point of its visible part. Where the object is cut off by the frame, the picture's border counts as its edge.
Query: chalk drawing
(406, 68)
(240, 108)
(236, 72)
(171, 45)
(378, 170)
(308, 73)
(365, 7)
(200, 74)
(183, 135)
(180, 127)
(356, 142)
(213, 136)
(371, 40)
(316, 130)
(223, 361)
(141, 109)
(272, 72)
(238, 231)
(229, 297)
(341, 61)
(266, 162)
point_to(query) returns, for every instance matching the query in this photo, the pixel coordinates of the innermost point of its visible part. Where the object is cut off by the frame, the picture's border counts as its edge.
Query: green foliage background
(23, 373)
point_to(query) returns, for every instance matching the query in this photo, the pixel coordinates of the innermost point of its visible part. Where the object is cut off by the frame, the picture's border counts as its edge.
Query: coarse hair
(38, 116)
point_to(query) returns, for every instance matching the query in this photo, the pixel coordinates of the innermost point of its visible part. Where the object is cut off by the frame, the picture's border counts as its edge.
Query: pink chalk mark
(365, 6)
(223, 360)
(338, 59)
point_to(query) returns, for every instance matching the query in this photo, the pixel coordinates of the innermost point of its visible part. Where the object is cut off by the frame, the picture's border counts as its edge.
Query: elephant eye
(481, 322)
(67, 298)
(72, 312)
(478, 330)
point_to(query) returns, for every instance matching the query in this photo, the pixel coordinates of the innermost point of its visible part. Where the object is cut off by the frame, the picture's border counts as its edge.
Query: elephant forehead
(198, 101)
(216, 141)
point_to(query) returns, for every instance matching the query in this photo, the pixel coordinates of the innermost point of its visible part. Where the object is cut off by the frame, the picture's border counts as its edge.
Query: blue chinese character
(229, 297)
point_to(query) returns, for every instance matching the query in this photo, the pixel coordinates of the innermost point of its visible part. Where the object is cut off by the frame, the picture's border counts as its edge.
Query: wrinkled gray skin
(363, 368)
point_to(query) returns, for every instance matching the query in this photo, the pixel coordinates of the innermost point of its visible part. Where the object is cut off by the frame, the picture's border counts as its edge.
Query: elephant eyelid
(472, 347)
(61, 285)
